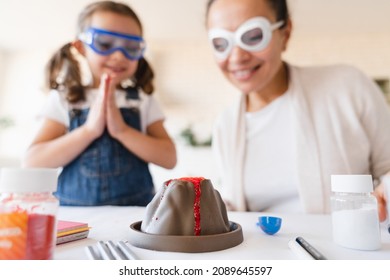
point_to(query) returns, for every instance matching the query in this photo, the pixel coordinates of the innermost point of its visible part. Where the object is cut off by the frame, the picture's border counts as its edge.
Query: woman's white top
(270, 142)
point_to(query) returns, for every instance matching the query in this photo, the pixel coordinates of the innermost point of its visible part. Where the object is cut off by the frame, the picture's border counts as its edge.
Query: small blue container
(269, 224)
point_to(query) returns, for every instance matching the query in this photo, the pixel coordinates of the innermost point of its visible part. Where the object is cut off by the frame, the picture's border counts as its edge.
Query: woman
(292, 127)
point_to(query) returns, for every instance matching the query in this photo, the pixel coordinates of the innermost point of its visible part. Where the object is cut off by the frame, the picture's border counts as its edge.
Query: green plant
(189, 136)
(6, 122)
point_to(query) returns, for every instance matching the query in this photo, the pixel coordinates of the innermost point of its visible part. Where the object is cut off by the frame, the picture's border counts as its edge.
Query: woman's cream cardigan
(342, 126)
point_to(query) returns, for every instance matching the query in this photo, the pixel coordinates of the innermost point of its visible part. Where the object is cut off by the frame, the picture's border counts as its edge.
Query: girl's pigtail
(144, 76)
(64, 74)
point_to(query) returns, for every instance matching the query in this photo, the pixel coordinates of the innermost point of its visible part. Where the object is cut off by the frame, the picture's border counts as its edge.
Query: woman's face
(115, 64)
(248, 71)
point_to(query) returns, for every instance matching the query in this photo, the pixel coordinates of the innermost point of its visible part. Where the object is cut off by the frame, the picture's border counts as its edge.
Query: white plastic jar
(355, 219)
(28, 211)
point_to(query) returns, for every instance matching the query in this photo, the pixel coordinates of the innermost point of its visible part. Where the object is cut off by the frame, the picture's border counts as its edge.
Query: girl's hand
(115, 123)
(96, 121)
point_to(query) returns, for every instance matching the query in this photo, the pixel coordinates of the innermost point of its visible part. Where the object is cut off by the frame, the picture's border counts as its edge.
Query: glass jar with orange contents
(28, 211)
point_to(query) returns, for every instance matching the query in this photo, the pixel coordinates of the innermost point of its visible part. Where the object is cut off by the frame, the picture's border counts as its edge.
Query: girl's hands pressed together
(155, 146)
(114, 120)
(96, 121)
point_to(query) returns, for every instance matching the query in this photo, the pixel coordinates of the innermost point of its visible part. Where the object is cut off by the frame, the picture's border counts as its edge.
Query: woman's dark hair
(63, 69)
(279, 6)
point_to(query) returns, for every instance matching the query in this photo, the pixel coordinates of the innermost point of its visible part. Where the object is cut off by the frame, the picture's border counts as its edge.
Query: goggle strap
(86, 37)
(277, 25)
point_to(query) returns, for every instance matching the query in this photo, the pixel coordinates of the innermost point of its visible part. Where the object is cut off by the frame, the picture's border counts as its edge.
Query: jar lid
(23, 180)
(352, 183)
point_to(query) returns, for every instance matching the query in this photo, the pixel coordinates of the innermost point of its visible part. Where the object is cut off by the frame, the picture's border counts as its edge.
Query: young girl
(103, 134)
(292, 127)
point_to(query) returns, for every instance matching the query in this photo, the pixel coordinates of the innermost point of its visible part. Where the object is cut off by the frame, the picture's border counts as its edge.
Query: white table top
(112, 223)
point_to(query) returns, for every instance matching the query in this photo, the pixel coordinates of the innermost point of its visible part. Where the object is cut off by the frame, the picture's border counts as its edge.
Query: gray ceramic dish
(185, 244)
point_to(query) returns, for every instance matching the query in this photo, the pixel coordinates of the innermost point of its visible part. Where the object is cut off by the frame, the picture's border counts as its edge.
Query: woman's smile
(244, 74)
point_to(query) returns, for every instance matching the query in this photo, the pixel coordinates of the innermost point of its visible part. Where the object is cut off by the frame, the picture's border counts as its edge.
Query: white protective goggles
(253, 35)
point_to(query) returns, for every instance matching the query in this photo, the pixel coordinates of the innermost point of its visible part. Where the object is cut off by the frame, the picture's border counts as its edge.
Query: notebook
(70, 231)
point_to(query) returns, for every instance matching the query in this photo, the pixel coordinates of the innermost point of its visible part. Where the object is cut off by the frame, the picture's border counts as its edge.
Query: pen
(301, 253)
(309, 248)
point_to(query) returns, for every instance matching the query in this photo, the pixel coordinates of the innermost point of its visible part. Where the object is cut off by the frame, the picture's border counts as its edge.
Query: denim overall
(106, 173)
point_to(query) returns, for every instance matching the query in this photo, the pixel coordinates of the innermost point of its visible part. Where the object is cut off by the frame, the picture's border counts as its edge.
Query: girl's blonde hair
(63, 69)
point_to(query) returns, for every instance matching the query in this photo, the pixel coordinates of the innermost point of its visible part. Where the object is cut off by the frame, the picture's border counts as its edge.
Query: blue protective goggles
(106, 42)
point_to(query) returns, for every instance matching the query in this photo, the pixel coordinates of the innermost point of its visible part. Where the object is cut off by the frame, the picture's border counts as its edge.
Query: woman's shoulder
(341, 81)
(329, 72)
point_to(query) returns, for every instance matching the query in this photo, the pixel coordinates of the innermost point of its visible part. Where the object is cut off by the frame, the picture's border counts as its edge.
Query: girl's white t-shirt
(57, 108)
(270, 171)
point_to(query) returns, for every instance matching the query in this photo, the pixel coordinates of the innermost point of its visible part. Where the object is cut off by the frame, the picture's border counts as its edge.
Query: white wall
(20, 97)
(368, 51)
(2, 68)
(189, 84)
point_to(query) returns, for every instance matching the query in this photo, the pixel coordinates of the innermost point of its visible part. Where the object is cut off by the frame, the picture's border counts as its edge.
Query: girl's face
(115, 64)
(249, 71)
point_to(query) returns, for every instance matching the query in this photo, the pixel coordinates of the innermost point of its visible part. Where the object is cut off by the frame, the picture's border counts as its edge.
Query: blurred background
(189, 86)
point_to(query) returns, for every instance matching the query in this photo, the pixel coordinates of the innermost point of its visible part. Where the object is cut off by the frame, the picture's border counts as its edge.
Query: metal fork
(109, 251)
